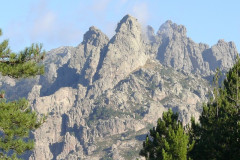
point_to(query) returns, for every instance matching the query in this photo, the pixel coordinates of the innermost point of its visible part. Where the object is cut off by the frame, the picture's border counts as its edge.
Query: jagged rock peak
(128, 23)
(150, 30)
(222, 42)
(94, 36)
(169, 28)
(150, 33)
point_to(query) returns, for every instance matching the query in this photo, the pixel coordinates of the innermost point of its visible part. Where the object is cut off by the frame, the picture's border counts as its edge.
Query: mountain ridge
(103, 95)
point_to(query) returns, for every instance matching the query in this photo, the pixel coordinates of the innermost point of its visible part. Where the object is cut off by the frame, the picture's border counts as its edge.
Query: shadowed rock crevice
(141, 137)
(67, 77)
(162, 51)
(210, 59)
(56, 149)
(65, 120)
(21, 89)
(100, 63)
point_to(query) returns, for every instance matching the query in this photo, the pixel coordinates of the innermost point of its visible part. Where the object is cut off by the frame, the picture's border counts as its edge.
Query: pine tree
(16, 117)
(217, 135)
(168, 141)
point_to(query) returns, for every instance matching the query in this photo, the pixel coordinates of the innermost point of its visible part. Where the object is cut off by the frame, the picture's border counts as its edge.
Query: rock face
(103, 96)
(124, 53)
(176, 50)
(87, 55)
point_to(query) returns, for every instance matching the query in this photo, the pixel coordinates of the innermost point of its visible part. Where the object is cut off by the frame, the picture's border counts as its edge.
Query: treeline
(215, 137)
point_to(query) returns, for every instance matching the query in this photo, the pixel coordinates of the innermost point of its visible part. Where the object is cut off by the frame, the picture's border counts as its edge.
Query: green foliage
(17, 120)
(217, 136)
(168, 140)
(22, 65)
(103, 113)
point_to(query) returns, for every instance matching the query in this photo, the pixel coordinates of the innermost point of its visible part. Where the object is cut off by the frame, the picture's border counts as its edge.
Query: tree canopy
(22, 65)
(16, 117)
(168, 141)
(217, 133)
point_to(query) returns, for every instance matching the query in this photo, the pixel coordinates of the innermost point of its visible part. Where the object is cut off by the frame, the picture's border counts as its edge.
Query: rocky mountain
(104, 95)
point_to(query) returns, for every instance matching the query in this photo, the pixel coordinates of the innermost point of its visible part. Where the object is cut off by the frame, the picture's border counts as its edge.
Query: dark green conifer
(168, 140)
(16, 118)
(217, 135)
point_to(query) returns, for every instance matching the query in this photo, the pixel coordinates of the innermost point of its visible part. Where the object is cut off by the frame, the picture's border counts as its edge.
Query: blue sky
(58, 23)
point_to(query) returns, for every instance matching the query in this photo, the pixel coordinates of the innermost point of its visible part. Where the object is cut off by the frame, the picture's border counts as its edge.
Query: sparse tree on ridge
(16, 117)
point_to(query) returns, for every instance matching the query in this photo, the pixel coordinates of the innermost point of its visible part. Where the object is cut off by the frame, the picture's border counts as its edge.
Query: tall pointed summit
(124, 53)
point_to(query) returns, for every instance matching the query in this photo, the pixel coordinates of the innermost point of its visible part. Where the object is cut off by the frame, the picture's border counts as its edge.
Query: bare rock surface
(177, 50)
(124, 53)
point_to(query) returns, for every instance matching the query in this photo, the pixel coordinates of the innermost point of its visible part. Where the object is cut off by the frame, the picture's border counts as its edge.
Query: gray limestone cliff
(104, 95)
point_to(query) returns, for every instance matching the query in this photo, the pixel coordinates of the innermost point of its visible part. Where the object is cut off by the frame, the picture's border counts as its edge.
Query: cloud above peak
(141, 12)
(49, 26)
(56, 23)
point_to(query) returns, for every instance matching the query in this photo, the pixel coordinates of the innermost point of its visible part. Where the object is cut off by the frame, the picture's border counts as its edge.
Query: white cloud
(124, 1)
(141, 12)
(96, 13)
(54, 27)
(43, 20)
(50, 28)
(100, 5)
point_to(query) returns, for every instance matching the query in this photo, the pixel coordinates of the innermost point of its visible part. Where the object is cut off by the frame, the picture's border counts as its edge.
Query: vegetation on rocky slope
(215, 136)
